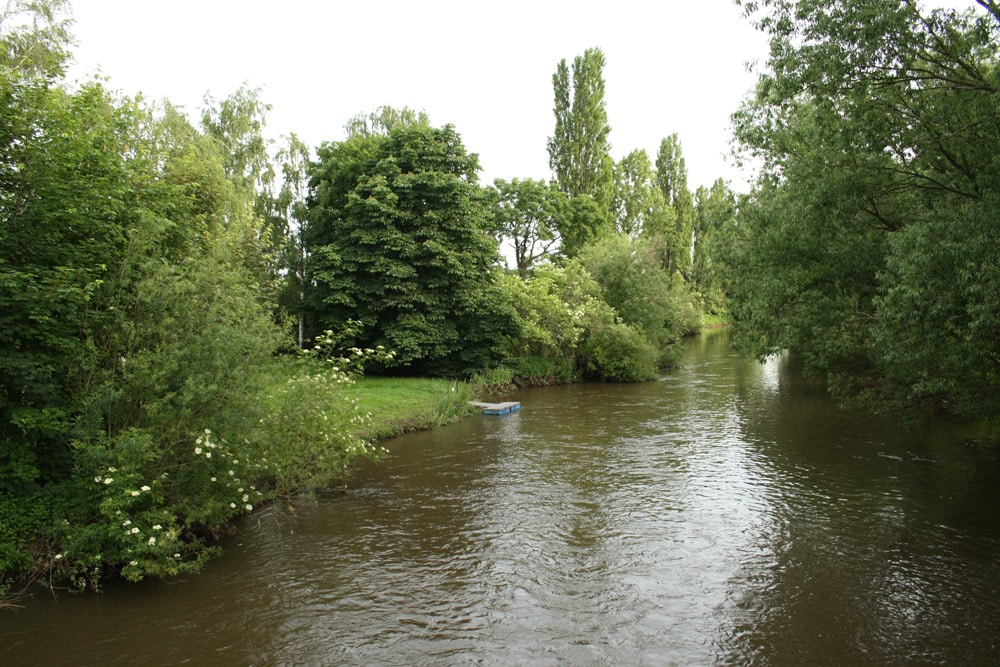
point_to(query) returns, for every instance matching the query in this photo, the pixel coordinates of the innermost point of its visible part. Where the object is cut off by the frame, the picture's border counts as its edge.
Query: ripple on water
(720, 516)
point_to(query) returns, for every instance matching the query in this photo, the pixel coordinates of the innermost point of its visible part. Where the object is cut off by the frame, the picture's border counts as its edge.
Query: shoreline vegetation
(197, 321)
(379, 408)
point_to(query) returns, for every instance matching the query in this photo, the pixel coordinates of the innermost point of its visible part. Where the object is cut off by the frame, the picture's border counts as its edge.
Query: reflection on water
(727, 514)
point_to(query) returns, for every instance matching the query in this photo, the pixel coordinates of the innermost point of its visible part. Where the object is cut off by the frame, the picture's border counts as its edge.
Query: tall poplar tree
(579, 151)
(671, 177)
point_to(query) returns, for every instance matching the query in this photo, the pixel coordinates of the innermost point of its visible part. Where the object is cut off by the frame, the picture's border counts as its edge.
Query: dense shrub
(616, 352)
(645, 295)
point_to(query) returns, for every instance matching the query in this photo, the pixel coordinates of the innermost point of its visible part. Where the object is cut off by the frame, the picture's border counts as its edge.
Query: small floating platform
(497, 408)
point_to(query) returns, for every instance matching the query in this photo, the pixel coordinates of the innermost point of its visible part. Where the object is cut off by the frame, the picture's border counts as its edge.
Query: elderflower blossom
(197, 451)
(144, 488)
(249, 507)
(108, 480)
(152, 541)
(157, 527)
(133, 493)
(135, 530)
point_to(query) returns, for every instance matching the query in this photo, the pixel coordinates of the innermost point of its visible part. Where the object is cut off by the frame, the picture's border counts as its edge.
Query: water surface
(727, 514)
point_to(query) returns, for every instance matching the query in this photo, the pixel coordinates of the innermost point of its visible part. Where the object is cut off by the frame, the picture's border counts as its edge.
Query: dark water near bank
(728, 514)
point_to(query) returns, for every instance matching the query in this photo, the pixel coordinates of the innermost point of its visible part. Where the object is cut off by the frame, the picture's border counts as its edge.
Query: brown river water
(727, 514)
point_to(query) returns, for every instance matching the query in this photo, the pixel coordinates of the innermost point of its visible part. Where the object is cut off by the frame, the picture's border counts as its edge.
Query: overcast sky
(672, 66)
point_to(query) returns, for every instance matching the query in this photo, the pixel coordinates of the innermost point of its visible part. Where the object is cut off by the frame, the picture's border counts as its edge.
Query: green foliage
(552, 308)
(568, 329)
(399, 240)
(543, 371)
(142, 407)
(643, 293)
(674, 231)
(938, 312)
(313, 444)
(868, 245)
(382, 120)
(20, 519)
(59, 244)
(35, 36)
(617, 352)
(638, 204)
(287, 216)
(579, 151)
(589, 222)
(530, 215)
(492, 381)
(714, 231)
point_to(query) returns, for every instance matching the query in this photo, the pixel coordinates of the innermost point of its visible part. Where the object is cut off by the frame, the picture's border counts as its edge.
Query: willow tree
(870, 243)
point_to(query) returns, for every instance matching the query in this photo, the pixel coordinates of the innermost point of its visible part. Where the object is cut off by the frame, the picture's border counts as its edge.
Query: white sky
(486, 67)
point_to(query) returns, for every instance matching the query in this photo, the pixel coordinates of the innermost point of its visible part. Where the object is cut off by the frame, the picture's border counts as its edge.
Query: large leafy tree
(399, 240)
(70, 182)
(579, 150)
(870, 243)
(539, 221)
(529, 215)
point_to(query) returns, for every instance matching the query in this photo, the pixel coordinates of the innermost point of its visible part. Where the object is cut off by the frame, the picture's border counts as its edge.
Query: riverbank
(402, 405)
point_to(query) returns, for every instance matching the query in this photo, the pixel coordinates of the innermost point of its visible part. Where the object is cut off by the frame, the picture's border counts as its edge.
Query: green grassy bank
(401, 405)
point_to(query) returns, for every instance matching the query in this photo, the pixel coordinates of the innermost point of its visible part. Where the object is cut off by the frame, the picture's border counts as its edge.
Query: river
(726, 514)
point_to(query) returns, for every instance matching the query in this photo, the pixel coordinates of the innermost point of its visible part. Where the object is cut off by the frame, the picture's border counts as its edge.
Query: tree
(587, 222)
(639, 205)
(579, 152)
(642, 292)
(867, 245)
(60, 244)
(236, 124)
(288, 216)
(529, 213)
(382, 120)
(714, 229)
(671, 177)
(399, 240)
(35, 36)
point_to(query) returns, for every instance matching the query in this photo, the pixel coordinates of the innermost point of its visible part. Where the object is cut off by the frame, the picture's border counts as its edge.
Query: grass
(714, 321)
(401, 405)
